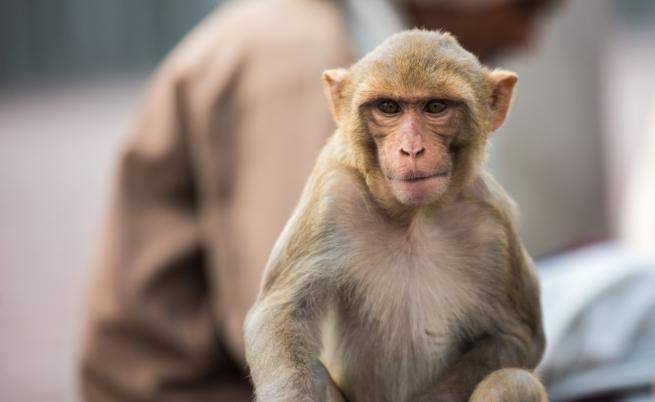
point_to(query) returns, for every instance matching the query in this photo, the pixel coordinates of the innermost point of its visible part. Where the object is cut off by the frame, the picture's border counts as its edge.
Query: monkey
(400, 275)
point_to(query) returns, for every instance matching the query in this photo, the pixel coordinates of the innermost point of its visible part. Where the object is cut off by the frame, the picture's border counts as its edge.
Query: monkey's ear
(333, 83)
(503, 82)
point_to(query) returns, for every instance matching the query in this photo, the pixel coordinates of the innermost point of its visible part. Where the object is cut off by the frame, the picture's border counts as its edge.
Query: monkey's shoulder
(486, 190)
(341, 196)
(310, 231)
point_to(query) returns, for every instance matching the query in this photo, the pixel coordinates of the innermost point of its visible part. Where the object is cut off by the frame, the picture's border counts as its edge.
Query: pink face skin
(414, 138)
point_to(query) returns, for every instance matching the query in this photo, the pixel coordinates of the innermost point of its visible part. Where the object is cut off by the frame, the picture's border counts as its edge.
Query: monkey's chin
(419, 192)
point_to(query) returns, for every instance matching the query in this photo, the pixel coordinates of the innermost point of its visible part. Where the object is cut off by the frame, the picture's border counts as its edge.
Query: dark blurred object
(487, 29)
(42, 39)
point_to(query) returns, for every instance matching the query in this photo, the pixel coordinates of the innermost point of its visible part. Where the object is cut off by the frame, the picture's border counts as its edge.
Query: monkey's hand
(504, 385)
(488, 357)
(510, 384)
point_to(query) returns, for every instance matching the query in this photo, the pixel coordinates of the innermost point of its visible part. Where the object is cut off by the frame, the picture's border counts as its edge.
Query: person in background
(219, 152)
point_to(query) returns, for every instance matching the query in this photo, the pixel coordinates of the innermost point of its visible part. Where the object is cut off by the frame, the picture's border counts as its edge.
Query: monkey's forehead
(418, 59)
(425, 48)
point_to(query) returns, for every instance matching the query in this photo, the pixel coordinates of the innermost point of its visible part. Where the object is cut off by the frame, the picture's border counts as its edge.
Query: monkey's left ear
(333, 82)
(503, 82)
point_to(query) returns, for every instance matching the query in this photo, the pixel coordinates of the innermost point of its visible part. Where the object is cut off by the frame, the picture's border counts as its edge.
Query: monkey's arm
(516, 340)
(283, 340)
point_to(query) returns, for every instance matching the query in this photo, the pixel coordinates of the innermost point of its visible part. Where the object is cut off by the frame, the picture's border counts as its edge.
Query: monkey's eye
(436, 106)
(388, 106)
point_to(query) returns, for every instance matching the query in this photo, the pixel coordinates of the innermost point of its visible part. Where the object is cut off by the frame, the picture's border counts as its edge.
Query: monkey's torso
(413, 286)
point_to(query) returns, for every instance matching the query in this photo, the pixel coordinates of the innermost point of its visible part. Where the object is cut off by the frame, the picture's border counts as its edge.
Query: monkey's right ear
(333, 83)
(503, 83)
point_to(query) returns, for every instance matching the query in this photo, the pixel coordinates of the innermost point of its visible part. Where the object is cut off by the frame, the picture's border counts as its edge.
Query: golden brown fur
(409, 293)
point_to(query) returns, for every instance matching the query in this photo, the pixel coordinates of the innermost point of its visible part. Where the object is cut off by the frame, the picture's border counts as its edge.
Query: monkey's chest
(410, 299)
(400, 324)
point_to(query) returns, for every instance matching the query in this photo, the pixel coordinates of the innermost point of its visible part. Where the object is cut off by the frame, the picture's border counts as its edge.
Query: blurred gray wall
(548, 155)
(40, 39)
(628, 87)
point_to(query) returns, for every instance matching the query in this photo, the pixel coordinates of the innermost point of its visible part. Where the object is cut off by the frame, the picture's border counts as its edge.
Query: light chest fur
(406, 283)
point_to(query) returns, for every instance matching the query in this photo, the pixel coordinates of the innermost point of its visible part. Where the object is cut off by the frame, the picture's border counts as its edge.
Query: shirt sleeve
(150, 333)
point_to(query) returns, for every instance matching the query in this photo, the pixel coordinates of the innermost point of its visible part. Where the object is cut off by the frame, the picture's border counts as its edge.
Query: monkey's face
(414, 140)
(416, 112)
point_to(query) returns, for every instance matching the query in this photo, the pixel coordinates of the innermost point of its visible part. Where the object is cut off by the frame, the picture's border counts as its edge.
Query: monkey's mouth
(417, 177)
(417, 188)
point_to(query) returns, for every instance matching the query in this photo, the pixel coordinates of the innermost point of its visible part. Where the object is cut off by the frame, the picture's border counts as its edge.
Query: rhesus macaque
(400, 276)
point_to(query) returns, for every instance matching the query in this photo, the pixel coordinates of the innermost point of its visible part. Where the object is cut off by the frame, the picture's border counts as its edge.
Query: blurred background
(71, 75)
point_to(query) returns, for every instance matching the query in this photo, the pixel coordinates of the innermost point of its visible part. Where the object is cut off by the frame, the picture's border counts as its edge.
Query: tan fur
(509, 385)
(373, 295)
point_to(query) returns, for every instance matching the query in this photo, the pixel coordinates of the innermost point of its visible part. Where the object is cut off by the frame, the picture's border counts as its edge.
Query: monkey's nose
(412, 152)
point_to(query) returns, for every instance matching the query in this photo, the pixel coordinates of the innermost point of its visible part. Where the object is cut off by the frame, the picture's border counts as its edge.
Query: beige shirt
(221, 147)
